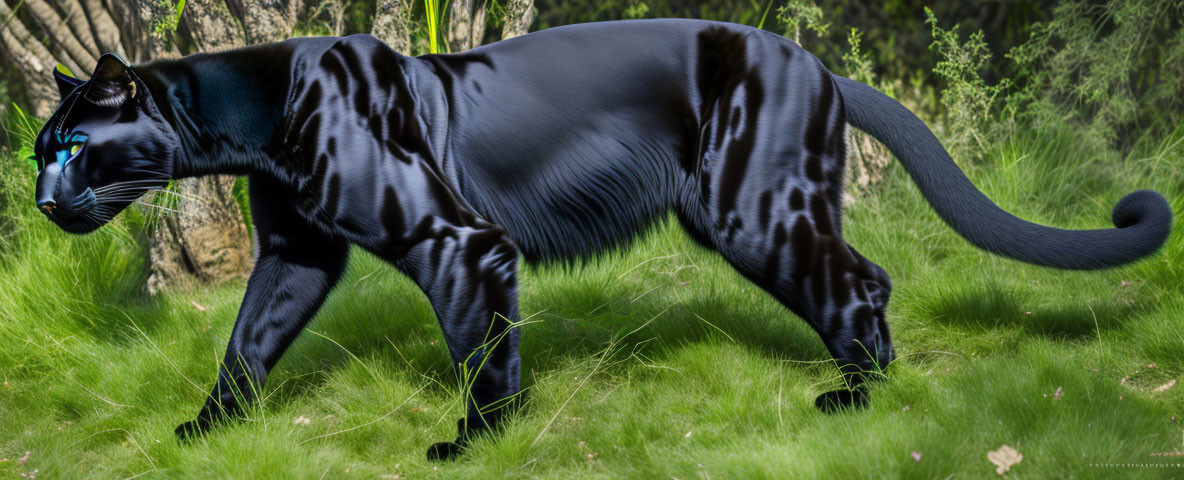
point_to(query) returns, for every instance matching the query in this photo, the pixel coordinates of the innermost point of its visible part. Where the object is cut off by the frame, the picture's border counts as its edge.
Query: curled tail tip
(1147, 212)
(1143, 207)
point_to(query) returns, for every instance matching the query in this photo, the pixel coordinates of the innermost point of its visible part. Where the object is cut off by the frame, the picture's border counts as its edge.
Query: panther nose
(47, 186)
(47, 206)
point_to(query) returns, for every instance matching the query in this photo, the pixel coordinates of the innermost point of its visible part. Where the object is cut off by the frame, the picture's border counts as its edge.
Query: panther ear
(112, 83)
(66, 83)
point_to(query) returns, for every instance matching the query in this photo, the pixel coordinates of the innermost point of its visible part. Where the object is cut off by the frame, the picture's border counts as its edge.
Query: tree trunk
(212, 27)
(205, 241)
(106, 32)
(34, 62)
(265, 20)
(466, 24)
(392, 24)
(519, 16)
(79, 59)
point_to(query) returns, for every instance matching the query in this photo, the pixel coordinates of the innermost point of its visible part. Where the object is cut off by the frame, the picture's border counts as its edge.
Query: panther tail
(1143, 218)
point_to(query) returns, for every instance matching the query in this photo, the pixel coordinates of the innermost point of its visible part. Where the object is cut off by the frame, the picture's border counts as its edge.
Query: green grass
(653, 362)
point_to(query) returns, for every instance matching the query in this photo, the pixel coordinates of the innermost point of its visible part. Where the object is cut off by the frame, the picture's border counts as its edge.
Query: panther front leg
(470, 276)
(295, 269)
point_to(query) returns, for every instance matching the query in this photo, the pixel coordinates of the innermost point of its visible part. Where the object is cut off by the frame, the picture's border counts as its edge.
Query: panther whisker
(120, 187)
(178, 194)
(120, 197)
(158, 207)
(138, 180)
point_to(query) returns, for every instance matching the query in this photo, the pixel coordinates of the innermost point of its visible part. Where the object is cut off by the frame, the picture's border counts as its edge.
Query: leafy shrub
(798, 15)
(968, 100)
(1115, 69)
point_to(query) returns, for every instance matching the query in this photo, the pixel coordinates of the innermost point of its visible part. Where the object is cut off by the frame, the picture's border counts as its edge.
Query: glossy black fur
(551, 146)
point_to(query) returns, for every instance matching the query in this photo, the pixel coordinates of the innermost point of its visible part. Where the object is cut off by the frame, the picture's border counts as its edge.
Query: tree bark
(519, 16)
(79, 27)
(265, 20)
(135, 19)
(106, 32)
(205, 241)
(211, 26)
(78, 58)
(34, 62)
(392, 24)
(466, 24)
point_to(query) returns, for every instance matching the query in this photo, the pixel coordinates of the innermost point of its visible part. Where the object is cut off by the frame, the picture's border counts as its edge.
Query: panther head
(105, 146)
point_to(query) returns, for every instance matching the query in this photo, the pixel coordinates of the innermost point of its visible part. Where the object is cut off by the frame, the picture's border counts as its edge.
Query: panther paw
(838, 400)
(445, 451)
(192, 429)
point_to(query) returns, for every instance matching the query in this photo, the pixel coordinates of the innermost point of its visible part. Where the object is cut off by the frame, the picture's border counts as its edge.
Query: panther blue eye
(70, 148)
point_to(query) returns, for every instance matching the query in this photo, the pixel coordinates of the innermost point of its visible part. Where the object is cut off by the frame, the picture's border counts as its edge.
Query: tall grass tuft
(432, 9)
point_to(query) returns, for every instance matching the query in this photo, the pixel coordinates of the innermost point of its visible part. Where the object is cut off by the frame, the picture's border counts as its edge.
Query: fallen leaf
(1151, 365)
(1057, 394)
(197, 306)
(1165, 387)
(916, 456)
(1004, 458)
(24, 458)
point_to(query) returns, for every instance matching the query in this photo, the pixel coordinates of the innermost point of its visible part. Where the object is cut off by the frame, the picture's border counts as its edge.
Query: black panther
(552, 147)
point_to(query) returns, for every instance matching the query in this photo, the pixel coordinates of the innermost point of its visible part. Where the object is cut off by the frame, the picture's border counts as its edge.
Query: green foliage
(167, 24)
(968, 99)
(432, 11)
(23, 128)
(858, 63)
(1115, 69)
(799, 15)
(635, 11)
(495, 15)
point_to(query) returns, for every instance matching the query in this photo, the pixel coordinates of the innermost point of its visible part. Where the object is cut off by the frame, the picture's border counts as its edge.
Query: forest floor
(655, 361)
